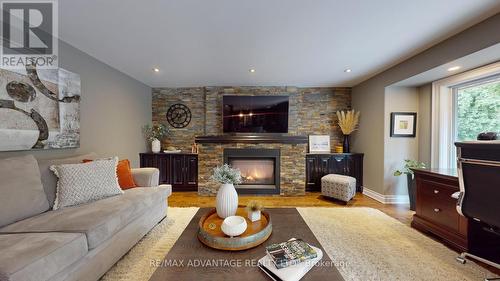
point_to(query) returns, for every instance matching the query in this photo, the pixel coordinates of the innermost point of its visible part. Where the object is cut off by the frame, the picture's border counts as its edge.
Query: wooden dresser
(436, 211)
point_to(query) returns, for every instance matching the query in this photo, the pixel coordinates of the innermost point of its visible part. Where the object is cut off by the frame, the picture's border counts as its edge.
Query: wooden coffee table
(189, 259)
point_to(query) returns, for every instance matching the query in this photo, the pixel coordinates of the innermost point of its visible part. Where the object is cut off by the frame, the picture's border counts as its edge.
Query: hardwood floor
(311, 199)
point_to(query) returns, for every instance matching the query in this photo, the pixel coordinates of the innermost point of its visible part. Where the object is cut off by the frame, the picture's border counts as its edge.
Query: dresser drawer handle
(437, 210)
(436, 191)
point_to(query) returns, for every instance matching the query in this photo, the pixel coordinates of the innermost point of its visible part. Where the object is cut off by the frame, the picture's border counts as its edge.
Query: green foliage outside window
(478, 110)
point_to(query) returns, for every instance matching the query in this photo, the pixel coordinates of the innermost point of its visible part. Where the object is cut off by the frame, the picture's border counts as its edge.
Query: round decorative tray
(210, 233)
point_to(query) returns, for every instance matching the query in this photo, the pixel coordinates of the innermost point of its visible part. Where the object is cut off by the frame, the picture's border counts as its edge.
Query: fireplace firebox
(260, 169)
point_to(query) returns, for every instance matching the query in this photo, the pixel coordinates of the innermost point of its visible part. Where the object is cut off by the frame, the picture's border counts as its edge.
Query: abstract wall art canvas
(39, 109)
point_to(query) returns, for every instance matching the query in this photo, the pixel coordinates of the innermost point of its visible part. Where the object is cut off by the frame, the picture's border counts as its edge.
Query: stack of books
(290, 260)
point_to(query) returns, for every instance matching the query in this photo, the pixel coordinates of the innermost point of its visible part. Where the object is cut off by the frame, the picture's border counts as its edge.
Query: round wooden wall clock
(179, 115)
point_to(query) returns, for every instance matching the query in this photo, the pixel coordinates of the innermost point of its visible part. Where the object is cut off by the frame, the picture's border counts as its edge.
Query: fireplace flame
(255, 171)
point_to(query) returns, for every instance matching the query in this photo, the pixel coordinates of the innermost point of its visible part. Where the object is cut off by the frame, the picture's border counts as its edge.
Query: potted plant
(227, 197)
(254, 209)
(154, 134)
(407, 170)
(348, 123)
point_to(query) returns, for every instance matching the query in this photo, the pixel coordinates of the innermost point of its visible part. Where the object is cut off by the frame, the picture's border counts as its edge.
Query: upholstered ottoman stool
(338, 186)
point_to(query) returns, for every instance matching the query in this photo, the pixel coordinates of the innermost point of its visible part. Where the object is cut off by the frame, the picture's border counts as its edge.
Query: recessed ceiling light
(347, 70)
(252, 70)
(156, 69)
(454, 68)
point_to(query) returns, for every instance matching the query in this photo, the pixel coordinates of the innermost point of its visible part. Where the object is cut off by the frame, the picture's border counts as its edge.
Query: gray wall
(113, 108)
(396, 150)
(369, 138)
(369, 96)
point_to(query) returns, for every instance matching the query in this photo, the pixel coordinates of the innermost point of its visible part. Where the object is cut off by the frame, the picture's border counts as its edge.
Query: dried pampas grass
(254, 206)
(348, 121)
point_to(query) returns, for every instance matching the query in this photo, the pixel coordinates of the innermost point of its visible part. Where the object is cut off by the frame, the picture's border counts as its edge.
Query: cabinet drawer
(439, 192)
(437, 205)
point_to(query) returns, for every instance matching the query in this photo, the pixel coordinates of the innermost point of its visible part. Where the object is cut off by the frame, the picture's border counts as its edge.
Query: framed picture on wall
(319, 144)
(403, 124)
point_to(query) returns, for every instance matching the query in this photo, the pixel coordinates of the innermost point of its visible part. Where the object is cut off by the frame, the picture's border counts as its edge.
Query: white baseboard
(386, 199)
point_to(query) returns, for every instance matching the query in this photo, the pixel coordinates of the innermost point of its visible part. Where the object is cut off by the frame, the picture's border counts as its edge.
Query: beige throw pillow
(86, 182)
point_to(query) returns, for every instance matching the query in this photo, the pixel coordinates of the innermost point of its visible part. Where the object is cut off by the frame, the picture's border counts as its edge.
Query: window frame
(443, 121)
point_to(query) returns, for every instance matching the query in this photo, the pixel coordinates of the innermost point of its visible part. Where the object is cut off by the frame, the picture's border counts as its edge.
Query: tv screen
(255, 114)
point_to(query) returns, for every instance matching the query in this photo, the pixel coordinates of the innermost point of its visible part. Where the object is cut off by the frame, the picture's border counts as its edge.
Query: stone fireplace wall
(312, 110)
(292, 174)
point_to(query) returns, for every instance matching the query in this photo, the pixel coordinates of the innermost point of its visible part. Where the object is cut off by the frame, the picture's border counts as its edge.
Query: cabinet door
(191, 174)
(311, 178)
(164, 165)
(355, 164)
(350, 162)
(324, 164)
(178, 169)
(148, 161)
(339, 165)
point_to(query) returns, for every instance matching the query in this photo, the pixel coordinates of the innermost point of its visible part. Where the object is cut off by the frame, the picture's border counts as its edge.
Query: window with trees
(477, 108)
(463, 106)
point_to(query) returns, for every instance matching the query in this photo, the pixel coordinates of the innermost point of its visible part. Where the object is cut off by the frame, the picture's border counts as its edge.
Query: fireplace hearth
(260, 169)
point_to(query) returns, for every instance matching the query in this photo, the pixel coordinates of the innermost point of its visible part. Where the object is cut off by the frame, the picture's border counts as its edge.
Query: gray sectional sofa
(80, 242)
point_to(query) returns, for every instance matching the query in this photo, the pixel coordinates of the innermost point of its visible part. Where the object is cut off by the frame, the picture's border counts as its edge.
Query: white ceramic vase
(227, 201)
(156, 146)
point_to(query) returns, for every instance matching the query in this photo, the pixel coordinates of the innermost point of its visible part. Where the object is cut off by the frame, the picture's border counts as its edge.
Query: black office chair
(478, 168)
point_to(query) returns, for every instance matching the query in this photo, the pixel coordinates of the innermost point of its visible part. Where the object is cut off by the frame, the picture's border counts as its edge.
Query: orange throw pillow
(124, 173)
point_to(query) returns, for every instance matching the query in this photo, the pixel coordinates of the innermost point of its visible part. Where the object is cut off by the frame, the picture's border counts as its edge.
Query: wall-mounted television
(255, 114)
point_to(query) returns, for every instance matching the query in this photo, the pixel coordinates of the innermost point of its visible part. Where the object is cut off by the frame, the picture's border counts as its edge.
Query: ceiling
(293, 42)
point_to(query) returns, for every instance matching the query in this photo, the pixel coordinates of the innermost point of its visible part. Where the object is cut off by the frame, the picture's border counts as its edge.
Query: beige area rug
(367, 244)
(364, 243)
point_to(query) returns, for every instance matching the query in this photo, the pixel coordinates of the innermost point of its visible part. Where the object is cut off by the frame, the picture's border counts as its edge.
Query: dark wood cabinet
(179, 170)
(319, 165)
(436, 211)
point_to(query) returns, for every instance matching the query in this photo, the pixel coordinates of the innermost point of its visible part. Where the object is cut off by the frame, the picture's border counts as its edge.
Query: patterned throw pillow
(124, 172)
(86, 182)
